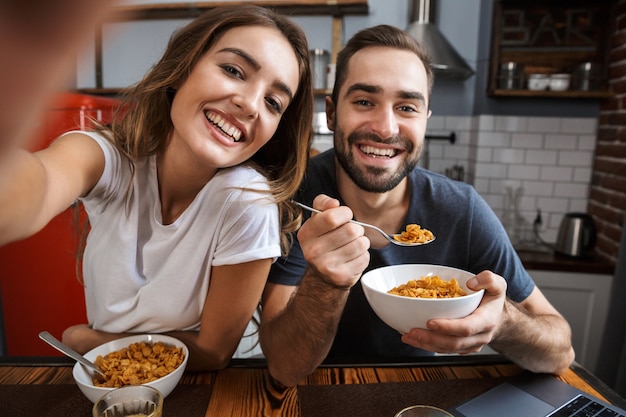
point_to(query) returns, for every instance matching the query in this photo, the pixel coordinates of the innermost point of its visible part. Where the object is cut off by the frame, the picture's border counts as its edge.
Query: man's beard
(371, 179)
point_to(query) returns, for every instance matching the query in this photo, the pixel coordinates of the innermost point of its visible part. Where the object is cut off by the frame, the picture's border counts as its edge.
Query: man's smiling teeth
(224, 126)
(378, 152)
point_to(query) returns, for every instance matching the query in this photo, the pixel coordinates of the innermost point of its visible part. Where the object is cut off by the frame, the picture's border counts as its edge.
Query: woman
(188, 192)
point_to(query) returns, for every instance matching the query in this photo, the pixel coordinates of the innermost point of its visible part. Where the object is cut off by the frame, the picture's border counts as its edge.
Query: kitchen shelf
(189, 10)
(322, 91)
(553, 94)
(183, 10)
(551, 36)
(100, 91)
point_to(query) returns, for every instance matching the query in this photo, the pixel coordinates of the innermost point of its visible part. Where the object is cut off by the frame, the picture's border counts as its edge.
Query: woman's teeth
(378, 152)
(224, 126)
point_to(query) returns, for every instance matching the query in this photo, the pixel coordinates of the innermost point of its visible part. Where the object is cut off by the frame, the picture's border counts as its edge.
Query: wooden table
(246, 389)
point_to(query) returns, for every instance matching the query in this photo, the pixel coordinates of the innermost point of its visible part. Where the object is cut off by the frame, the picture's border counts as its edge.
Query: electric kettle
(577, 235)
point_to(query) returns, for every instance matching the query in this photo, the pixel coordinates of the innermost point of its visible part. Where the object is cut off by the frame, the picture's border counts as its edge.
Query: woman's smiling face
(234, 98)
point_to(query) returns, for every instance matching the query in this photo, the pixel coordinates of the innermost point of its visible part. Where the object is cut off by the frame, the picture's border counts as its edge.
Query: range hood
(445, 60)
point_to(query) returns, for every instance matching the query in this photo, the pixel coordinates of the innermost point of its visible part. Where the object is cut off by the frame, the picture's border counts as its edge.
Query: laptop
(535, 395)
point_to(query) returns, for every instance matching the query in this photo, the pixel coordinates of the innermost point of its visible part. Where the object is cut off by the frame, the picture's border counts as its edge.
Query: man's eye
(408, 109)
(363, 103)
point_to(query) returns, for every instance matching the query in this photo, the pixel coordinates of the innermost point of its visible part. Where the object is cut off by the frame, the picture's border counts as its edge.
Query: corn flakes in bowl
(148, 359)
(441, 297)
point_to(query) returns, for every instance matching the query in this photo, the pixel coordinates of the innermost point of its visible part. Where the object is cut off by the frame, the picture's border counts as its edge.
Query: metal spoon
(390, 238)
(63, 348)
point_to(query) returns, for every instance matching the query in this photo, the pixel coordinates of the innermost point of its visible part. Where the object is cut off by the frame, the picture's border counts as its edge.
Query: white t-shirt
(143, 276)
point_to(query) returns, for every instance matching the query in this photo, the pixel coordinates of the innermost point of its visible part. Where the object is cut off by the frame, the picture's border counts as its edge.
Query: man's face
(380, 118)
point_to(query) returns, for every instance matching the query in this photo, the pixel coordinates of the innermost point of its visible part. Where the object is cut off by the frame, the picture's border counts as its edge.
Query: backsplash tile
(555, 173)
(548, 158)
(544, 124)
(540, 157)
(511, 124)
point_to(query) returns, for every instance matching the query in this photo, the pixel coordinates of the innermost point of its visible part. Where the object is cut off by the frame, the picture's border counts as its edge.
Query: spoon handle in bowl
(63, 348)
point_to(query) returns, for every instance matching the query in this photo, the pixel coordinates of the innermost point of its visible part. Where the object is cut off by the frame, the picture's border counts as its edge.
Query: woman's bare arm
(35, 187)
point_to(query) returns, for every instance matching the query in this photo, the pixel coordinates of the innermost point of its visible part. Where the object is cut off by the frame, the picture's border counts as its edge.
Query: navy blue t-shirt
(468, 234)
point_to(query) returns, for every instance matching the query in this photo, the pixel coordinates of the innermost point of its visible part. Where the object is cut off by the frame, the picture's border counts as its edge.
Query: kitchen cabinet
(548, 37)
(583, 299)
(188, 10)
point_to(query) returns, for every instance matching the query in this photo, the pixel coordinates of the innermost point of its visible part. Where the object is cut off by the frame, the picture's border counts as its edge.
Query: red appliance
(38, 281)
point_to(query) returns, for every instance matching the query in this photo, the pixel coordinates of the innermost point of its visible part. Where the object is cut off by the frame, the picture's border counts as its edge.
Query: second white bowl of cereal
(147, 359)
(405, 312)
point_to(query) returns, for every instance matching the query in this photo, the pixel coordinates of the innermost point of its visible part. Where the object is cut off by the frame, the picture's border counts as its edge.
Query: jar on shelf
(320, 58)
(587, 77)
(511, 76)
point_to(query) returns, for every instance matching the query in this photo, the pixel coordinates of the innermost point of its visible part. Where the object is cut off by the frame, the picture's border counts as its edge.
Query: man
(313, 305)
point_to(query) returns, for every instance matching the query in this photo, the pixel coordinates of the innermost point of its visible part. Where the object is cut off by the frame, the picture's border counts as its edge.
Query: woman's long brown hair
(142, 124)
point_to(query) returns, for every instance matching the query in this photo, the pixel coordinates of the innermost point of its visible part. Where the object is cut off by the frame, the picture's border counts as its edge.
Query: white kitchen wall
(549, 159)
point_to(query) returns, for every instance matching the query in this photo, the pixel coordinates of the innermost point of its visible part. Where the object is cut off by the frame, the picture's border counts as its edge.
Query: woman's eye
(274, 104)
(232, 71)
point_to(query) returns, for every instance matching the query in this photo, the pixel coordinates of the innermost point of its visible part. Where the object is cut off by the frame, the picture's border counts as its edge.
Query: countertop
(348, 389)
(551, 261)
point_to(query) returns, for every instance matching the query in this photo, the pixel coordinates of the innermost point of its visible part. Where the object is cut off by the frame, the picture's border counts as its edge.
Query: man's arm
(535, 336)
(297, 339)
(298, 325)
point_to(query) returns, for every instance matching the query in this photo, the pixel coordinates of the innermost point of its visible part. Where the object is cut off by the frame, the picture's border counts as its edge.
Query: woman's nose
(384, 123)
(249, 101)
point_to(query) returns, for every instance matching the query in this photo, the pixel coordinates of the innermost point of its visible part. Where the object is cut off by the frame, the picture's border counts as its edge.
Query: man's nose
(384, 123)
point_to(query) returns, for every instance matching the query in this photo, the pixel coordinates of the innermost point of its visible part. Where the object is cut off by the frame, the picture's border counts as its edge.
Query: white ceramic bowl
(165, 384)
(405, 313)
(559, 82)
(538, 82)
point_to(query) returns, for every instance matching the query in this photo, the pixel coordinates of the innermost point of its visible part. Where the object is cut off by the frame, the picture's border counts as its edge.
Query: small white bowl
(165, 384)
(559, 82)
(406, 313)
(538, 82)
